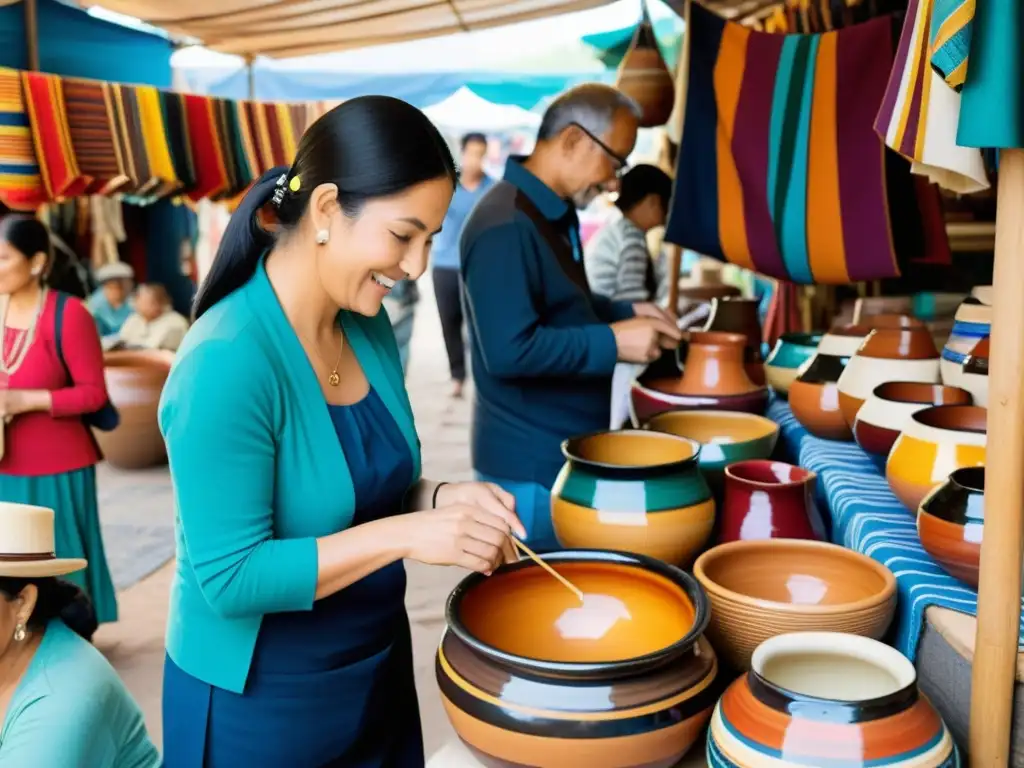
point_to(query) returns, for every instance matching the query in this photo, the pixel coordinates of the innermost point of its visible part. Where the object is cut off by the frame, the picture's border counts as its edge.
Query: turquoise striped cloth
(952, 22)
(868, 518)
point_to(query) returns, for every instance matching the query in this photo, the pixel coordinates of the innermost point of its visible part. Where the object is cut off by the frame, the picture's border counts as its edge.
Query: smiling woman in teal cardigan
(296, 464)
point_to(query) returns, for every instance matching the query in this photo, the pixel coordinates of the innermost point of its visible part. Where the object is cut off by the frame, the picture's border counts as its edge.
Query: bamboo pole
(250, 66)
(999, 587)
(674, 266)
(32, 34)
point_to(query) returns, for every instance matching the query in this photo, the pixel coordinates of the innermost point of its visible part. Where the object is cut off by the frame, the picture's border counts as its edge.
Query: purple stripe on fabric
(885, 114)
(908, 145)
(863, 60)
(750, 148)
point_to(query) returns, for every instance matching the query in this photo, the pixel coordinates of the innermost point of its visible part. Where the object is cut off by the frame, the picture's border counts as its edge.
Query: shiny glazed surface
(951, 522)
(712, 364)
(725, 437)
(769, 500)
(816, 407)
(740, 315)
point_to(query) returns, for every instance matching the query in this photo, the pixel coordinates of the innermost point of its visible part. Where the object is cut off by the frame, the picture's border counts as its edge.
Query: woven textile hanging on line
(780, 170)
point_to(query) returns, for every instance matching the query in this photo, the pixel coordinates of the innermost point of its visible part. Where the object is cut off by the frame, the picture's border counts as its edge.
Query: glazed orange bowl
(636, 611)
(760, 589)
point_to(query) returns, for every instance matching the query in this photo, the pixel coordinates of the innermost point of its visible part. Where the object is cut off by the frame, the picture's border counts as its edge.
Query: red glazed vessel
(769, 500)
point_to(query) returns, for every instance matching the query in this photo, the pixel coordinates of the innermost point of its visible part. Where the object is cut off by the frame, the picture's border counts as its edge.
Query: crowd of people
(292, 447)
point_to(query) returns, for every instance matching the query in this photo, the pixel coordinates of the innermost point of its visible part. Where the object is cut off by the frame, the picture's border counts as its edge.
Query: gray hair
(592, 106)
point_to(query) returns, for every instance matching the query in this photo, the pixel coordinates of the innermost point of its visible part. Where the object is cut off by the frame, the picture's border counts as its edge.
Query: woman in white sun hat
(61, 703)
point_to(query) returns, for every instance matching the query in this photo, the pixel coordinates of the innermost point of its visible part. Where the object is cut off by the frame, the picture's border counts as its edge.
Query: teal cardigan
(258, 472)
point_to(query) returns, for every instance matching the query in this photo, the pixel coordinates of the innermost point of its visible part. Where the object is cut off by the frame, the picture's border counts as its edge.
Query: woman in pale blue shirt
(296, 464)
(61, 703)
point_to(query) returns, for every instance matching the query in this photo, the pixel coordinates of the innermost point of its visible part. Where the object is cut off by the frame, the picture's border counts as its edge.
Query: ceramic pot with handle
(828, 699)
(951, 522)
(739, 315)
(769, 500)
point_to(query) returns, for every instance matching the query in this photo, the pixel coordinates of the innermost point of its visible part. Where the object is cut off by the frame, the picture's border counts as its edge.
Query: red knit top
(41, 443)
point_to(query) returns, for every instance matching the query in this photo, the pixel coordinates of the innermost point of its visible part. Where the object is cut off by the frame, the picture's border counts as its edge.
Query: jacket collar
(550, 205)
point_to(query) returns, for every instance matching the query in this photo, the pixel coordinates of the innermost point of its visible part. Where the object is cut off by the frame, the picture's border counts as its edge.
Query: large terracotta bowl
(633, 490)
(725, 437)
(828, 699)
(951, 522)
(814, 394)
(134, 382)
(884, 415)
(887, 354)
(530, 676)
(790, 352)
(934, 443)
(763, 588)
(972, 323)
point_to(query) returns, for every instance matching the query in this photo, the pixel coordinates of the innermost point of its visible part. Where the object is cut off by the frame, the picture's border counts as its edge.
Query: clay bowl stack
(951, 522)
(974, 372)
(887, 354)
(934, 443)
(790, 352)
(884, 415)
(529, 675)
(814, 394)
(633, 490)
(972, 323)
(828, 699)
(760, 589)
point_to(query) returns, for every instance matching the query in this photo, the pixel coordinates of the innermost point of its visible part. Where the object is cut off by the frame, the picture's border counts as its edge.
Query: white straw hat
(26, 543)
(117, 270)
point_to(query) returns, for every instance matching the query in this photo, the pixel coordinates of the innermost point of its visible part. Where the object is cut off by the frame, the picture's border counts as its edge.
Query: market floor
(135, 644)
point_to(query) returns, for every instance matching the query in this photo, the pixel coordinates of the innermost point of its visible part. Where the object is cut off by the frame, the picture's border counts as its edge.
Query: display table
(455, 755)
(935, 620)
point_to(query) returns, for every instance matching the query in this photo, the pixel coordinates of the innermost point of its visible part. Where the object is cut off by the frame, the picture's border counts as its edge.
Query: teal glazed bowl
(790, 352)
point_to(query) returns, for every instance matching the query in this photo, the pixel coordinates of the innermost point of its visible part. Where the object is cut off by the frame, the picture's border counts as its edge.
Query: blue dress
(329, 687)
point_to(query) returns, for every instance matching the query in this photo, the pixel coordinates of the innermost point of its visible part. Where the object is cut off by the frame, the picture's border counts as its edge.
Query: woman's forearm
(345, 557)
(421, 495)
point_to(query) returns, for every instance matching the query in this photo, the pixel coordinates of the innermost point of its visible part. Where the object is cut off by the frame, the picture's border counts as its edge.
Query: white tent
(464, 111)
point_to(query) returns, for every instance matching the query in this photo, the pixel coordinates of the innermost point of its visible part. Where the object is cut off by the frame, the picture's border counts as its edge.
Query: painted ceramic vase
(529, 676)
(738, 315)
(134, 382)
(951, 521)
(884, 415)
(828, 699)
(972, 323)
(906, 354)
(934, 443)
(974, 372)
(868, 307)
(769, 500)
(790, 352)
(633, 490)
(725, 437)
(713, 378)
(814, 394)
(762, 588)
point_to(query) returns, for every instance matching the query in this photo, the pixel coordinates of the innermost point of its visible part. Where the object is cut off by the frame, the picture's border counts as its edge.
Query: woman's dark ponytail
(241, 247)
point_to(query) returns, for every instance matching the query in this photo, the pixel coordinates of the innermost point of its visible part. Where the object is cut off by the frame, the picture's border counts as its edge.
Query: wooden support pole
(32, 34)
(999, 588)
(250, 66)
(674, 254)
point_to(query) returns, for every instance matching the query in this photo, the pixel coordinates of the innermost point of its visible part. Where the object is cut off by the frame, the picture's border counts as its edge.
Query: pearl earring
(37, 272)
(322, 237)
(19, 633)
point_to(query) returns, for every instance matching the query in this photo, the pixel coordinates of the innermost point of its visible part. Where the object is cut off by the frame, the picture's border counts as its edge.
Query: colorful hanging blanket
(207, 156)
(21, 184)
(920, 113)
(178, 144)
(92, 129)
(154, 134)
(44, 98)
(779, 170)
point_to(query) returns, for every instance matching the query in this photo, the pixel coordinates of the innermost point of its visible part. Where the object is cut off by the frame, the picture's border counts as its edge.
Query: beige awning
(282, 28)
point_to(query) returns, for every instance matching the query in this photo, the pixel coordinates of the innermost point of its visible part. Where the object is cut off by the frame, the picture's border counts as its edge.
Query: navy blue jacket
(542, 351)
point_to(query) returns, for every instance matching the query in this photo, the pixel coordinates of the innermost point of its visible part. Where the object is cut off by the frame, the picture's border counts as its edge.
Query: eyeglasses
(621, 164)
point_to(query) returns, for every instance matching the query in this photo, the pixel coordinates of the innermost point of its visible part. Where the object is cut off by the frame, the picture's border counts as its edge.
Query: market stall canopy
(465, 111)
(283, 28)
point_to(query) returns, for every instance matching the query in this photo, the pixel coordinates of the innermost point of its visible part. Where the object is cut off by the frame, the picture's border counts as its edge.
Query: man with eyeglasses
(543, 347)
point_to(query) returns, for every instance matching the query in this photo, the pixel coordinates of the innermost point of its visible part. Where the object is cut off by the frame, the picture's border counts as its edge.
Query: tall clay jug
(732, 314)
(644, 76)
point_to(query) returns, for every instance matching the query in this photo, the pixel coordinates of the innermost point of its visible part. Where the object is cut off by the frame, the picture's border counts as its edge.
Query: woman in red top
(50, 456)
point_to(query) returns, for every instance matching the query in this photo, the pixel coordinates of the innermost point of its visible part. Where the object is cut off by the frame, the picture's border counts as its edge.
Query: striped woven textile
(92, 130)
(44, 98)
(154, 134)
(951, 40)
(205, 147)
(920, 114)
(178, 139)
(21, 183)
(282, 139)
(761, 181)
(868, 518)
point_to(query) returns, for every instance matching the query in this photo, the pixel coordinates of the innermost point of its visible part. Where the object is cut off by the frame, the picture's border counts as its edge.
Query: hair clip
(295, 184)
(278, 197)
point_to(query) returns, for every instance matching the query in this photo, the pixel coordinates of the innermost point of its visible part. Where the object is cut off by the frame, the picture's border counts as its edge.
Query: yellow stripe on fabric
(154, 134)
(263, 131)
(919, 41)
(284, 120)
(953, 23)
(826, 254)
(926, 92)
(728, 79)
(56, 88)
(246, 135)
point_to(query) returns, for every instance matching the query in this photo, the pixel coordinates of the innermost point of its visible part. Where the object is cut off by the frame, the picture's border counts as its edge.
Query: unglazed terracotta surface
(951, 521)
(790, 352)
(760, 589)
(906, 354)
(631, 712)
(974, 372)
(769, 500)
(725, 437)
(737, 315)
(890, 406)
(935, 442)
(134, 382)
(828, 699)
(972, 323)
(814, 395)
(633, 490)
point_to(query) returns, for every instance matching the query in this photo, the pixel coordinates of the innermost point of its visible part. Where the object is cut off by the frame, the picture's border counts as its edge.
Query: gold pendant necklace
(334, 379)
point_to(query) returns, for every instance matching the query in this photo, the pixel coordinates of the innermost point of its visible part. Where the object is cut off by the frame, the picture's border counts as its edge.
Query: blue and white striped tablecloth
(868, 518)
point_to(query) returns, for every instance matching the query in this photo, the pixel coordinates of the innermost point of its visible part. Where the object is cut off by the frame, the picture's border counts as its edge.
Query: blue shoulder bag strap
(106, 418)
